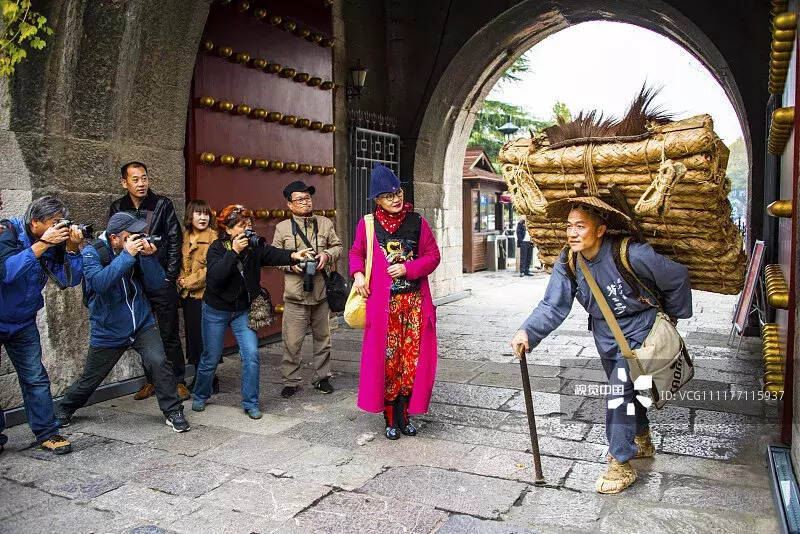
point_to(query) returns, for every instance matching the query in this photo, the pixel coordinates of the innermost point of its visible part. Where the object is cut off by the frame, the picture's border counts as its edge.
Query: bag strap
(369, 221)
(606, 309)
(623, 256)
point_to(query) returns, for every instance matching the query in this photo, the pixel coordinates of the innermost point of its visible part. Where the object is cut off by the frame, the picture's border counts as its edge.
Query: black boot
(401, 409)
(389, 415)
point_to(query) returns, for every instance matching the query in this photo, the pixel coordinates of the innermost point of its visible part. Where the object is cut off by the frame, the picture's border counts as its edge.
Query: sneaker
(147, 391)
(289, 391)
(183, 392)
(178, 421)
(57, 444)
(198, 405)
(64, 418)
(619, 476)
(324, 386)
(253, 413)
(645, 445)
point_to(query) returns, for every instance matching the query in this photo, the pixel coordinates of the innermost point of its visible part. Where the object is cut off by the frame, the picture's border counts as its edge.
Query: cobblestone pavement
(316, 463)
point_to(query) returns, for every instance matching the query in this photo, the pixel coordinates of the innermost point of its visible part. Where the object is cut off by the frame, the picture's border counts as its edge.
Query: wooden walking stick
(526, 388)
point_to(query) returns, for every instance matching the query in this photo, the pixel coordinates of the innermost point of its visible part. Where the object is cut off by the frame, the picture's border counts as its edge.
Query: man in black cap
(118, 268)
(305, 299)
(162, 221)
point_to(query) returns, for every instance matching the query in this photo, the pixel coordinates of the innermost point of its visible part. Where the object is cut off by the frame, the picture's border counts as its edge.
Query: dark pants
(192, 329)
(164, 303)
(525, 256)
(100, 361)
(24, 348)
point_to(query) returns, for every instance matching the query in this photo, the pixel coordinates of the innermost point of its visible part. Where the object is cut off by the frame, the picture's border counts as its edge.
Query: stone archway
(462, 88)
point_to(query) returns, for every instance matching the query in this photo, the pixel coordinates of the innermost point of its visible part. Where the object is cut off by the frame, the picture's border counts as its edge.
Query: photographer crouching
(305, 299)
(119, 267)
(42, 244)
(233, 297)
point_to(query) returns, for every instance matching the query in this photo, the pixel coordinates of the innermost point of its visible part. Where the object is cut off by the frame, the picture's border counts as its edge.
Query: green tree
(560, 109)
(511, 75)
(20, 28)
(493, 115)
(737, 165)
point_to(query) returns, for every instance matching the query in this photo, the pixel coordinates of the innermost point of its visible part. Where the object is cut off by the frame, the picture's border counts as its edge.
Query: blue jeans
(25, 350)
(215, 323)
(621, 427)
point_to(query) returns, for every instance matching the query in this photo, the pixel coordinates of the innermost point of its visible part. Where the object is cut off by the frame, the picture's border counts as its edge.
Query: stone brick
(208, 520)
(260, 453)
(694, 492)
(331, 466)
(470, 395)
(278, 498)
(565, 509)
(515, 465)
(355, 513)
(144, 503)
(464, 524)
(648, 485)
(477, 495)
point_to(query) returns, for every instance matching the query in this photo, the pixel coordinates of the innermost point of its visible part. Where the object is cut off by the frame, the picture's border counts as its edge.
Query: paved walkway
(316, 463)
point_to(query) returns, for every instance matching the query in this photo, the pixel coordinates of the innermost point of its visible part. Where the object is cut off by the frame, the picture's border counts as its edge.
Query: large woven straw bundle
(672, 178)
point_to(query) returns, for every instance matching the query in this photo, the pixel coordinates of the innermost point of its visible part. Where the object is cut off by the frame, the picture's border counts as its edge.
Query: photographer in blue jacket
(118, 268)
(43, 244)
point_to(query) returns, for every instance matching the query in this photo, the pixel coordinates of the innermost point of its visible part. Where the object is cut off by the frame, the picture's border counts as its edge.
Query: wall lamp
(358, 76)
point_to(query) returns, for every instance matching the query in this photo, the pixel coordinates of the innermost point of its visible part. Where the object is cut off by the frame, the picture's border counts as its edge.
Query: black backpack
(105, 258)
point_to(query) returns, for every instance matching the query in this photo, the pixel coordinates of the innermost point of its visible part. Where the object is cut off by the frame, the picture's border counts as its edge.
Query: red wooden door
(267, 67)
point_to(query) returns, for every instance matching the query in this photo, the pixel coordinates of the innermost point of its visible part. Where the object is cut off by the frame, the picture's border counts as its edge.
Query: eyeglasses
(391, 196)
(302, 200)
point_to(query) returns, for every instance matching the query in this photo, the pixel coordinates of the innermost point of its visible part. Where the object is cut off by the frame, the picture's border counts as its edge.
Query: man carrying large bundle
(588, 219)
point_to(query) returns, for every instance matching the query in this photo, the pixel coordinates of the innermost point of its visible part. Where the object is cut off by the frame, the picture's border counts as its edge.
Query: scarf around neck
(392, 221)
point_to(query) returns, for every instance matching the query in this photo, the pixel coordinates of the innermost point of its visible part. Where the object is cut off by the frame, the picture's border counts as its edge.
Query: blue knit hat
(382, 180)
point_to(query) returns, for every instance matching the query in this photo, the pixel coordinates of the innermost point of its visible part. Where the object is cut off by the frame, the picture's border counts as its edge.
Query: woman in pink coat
(398, 355)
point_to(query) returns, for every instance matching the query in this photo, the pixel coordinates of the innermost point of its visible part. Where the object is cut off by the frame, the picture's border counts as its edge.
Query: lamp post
(358, 77)
(508, 129)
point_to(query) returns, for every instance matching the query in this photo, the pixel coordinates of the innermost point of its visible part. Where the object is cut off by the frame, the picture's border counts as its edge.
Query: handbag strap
(606, 309)
(369, 220)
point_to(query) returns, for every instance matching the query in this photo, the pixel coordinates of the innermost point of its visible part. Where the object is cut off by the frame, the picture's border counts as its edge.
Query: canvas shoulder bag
(662, 356)
(355, 310)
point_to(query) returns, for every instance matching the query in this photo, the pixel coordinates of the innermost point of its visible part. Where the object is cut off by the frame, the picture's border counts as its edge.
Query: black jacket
(521, 231)
(224, 288)
(163, 222)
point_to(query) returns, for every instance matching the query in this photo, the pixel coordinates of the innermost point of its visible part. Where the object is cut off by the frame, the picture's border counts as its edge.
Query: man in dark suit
(525, 249)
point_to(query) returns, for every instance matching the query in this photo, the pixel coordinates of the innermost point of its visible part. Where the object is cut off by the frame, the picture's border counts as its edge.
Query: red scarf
(392, 221)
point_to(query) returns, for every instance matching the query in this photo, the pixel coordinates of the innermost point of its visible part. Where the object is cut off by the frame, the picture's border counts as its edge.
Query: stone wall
(112, 85)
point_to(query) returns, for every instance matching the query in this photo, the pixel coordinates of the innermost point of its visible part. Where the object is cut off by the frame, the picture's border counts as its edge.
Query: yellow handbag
(355, 310)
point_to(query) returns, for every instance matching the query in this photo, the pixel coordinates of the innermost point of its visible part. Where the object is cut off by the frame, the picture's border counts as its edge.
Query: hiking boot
(183, 392)
(147, 391)
(324, 386)
(57, 444)
(645, 445)
(253, 413)
(178, 421)
(198, 405)
(64, 418)
(392, 432)
(289, 391)
(619, 476)
(401, 409)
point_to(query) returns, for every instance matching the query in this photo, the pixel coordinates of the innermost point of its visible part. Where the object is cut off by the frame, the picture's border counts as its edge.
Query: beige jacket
(193, 262)
(329, 243)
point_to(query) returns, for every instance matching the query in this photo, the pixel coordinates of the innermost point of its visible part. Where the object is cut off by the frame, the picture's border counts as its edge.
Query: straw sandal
(645, 445)
(618, 477)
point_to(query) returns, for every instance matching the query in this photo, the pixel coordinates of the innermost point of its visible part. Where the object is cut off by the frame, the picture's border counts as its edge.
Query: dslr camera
(254, 240)
(87, 232)
(309, 268)
(152, 239)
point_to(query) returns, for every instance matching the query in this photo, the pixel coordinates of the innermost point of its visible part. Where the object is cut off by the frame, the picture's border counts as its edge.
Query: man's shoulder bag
(663, 355)
(335, 285)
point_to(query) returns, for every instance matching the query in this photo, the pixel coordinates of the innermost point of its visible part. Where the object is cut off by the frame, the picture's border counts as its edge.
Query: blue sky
(602, 65)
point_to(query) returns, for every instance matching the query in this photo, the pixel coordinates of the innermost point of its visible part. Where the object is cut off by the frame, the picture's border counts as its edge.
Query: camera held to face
(254, 240)
(86, 230)
(152, 239)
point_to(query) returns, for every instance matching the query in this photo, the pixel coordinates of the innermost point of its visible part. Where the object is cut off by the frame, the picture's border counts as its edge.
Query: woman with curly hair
(233, 274)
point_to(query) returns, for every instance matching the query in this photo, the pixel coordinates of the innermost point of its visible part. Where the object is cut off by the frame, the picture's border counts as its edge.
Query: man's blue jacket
(22, 278)
(118, 307)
